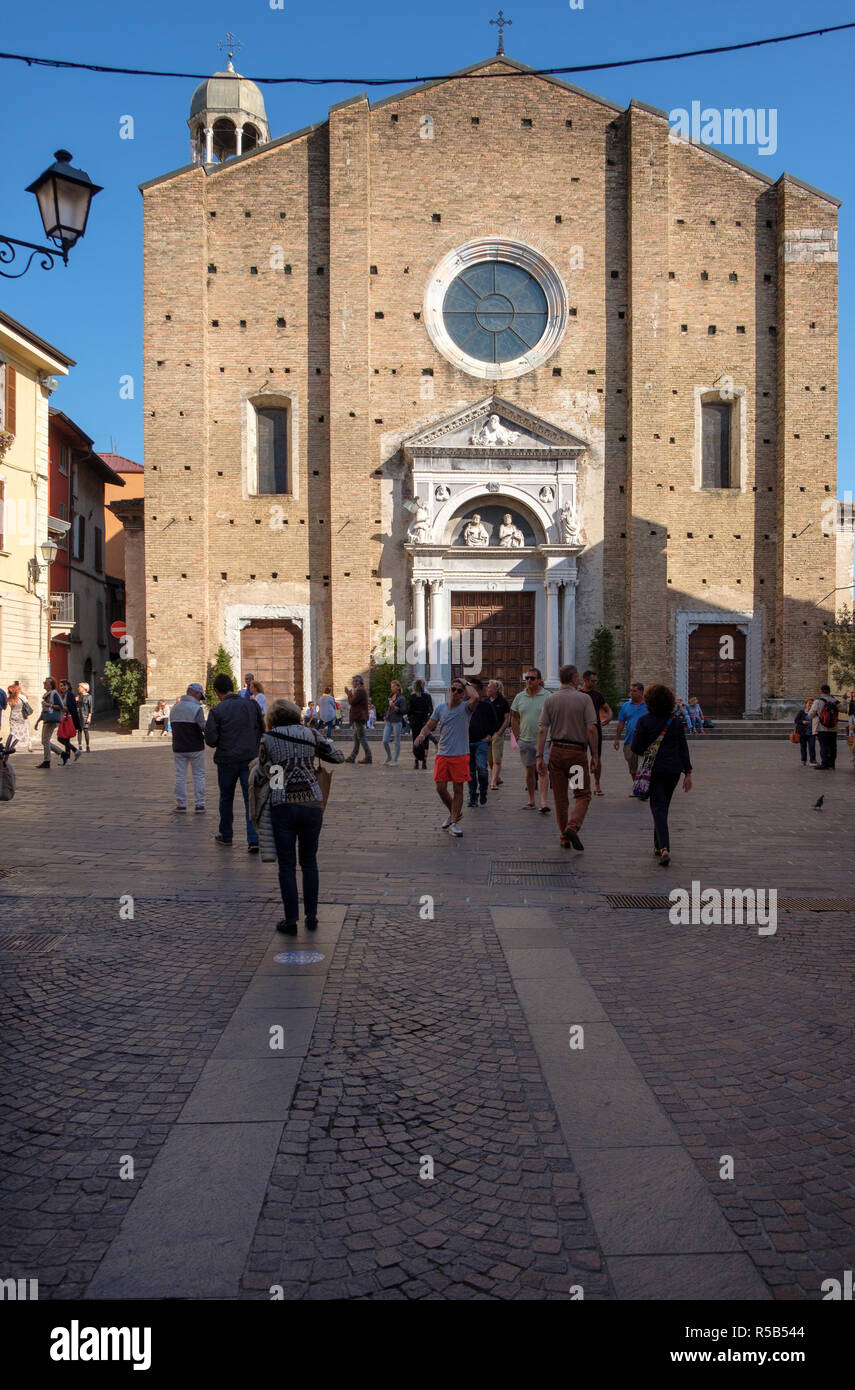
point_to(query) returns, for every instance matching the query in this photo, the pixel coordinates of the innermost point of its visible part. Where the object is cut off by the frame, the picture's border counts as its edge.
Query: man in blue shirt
(630, 713)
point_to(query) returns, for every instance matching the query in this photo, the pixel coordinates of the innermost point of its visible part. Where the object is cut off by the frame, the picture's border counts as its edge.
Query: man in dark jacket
(233, 729)
(357, 698)
(482, 726)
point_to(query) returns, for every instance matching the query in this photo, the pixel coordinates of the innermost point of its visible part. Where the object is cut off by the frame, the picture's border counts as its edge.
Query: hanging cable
(432, 77)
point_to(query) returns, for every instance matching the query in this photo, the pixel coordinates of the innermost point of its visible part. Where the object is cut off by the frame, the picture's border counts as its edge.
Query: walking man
(451, 765)
(570, 721)
(525, 723)
(496, 746)
(628, 716)
(357, 698)
(604, 714)
(188, 747)
(233, 729)
(482, 726)
(824, 712)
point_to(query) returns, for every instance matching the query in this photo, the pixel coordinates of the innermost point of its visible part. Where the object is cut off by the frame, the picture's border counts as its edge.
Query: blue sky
(92, 309)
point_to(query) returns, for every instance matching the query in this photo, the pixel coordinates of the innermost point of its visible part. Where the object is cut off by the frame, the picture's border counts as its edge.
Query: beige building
(29, 368)
(487, 363)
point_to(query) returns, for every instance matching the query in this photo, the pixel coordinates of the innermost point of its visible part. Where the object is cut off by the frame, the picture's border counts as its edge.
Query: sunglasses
(458, 689)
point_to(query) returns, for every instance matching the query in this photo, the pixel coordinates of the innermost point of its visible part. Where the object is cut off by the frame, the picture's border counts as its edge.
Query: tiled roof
(120, 464)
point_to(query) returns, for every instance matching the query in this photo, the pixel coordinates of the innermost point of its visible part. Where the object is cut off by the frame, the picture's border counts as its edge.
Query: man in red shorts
(452, 759)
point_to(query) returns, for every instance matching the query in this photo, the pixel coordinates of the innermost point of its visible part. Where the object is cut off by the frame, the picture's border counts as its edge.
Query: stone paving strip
(658, 1225)
(746, 1044)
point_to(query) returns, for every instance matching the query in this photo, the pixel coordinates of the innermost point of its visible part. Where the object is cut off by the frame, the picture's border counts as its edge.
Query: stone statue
(441, 492)
(493, 432)
(420, 526)
(510, 536)
(571, 531)
(475, 534)
(547, 495)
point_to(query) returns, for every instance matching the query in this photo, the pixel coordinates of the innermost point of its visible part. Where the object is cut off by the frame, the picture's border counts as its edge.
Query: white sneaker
(446, 824)
(454, 829)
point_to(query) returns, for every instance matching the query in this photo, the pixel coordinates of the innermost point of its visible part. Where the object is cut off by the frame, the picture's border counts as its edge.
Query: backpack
(828, 714)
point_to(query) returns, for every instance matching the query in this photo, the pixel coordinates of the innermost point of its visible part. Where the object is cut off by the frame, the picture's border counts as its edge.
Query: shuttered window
(715, 444)
(99, 550)
(79, 532)
(10, 384)
(272, 432)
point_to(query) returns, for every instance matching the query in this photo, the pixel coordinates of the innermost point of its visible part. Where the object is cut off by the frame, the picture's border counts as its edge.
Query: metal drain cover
(32, 944)
(648, 900)
(525, 873)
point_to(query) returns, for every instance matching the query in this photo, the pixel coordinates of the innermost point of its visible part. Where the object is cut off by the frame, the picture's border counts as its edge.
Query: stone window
(715, 443)
(272, 449)
(78, 551)
(269, 465)
(495, 308)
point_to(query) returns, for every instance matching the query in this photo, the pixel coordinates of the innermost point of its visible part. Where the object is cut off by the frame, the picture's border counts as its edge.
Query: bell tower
(227, 115)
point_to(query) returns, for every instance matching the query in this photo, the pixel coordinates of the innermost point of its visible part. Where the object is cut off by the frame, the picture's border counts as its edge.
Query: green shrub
(222, 667)
(125, 681)
(601, 658)
(382, 677)
(840, 651)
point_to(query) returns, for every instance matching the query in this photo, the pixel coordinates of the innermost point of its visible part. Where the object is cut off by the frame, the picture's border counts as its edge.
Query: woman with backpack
(286, 757)
(663, 735)
(52, 711)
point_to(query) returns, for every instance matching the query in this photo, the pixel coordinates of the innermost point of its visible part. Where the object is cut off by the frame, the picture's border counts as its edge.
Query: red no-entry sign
(117, 629)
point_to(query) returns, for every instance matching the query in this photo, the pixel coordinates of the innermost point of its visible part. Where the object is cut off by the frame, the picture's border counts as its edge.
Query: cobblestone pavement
(425, 1043)
(748, 1046)
(421, 1062)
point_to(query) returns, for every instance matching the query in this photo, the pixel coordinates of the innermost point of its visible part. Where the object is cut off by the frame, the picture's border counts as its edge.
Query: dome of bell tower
(227, 116)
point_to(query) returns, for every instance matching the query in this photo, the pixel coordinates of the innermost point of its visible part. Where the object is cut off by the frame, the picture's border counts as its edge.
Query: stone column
(209, 144)
(568, 636)
(437, 630)
(551, 678)
(238, 140)
(419, 625)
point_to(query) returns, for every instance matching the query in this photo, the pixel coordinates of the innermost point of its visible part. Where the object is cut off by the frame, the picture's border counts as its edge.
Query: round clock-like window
(495, 308)
(495, 311)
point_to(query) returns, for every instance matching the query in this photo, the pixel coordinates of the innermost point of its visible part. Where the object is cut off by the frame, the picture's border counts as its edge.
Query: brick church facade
(487, 356)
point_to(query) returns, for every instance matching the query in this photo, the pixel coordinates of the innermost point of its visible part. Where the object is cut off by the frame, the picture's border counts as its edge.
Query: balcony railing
(63, 609)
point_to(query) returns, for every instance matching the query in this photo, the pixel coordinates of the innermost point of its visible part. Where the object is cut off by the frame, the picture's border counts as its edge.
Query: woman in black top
(672, 759)
(419, 710)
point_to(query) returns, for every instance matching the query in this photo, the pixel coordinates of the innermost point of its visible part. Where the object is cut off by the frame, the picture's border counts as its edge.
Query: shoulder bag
(52, 712)
(641, 785)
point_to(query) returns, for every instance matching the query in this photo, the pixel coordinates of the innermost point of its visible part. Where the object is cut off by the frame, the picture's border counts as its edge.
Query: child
(695, 715)
(680, 711)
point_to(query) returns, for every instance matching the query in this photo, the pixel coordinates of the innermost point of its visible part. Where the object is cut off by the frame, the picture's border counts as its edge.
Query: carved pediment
(493, 427)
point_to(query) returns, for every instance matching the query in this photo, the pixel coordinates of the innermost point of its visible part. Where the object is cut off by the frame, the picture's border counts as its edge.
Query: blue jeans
(479, 776)
(298, 828)
(329, 726)
(808, 743)
(228, 776)
(390, 732)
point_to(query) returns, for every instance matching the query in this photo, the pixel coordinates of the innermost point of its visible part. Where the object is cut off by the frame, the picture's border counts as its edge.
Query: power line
(431, 77)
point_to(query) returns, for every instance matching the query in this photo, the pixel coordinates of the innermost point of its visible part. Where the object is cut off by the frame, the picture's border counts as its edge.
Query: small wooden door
(273, 651)
(505, 623)
(717, 669)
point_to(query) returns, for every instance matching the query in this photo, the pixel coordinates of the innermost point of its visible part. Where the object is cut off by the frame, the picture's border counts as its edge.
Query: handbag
(67, 728)
(641, 785)
(795, 736)
(54, 710)
(26, 709)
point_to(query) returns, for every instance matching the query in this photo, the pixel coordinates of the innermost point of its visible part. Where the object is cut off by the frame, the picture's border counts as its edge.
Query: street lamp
(64, 196)
(49, 550)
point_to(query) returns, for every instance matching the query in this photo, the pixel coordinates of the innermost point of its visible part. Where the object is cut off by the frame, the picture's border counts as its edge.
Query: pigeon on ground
(817, 805)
